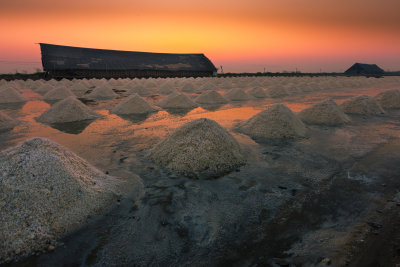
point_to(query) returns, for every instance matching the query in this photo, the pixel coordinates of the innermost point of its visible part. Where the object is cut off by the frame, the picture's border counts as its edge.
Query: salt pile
(58, 93)
(101, 93)
(211, 97)
(6, 122)
(326, 112)
(46, 190)
(166, 89)
(277, 91)
(68, 110)
(178, 101)
(389, 99)
(257, 92)
(188, 87)
(363, 105)
(10, 95)
(134, 104)
(43, 88)
(276, 122)
(139, 89)
(236, 94)
(200, 146)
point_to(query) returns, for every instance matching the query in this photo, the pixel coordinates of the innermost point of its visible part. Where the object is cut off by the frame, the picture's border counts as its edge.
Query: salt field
(241, 171)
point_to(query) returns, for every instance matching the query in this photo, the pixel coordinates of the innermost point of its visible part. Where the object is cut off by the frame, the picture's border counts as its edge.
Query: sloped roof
(361, 68)
(59, 57)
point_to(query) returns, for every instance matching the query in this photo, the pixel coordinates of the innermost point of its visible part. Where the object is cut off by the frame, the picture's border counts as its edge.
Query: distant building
(364, 69)
(67, 61)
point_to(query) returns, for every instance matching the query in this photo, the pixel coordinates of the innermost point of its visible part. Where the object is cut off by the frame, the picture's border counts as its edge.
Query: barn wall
(125, 74)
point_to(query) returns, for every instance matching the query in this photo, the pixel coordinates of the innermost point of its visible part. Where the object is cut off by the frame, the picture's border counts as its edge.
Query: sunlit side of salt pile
(178, 101)
(58, 93)
(326, 112)
(389, 99)
(363, 105)
(211, 97)
(46, 191)
(68, 110)
(134, 104)
(200, 146)
(276, 122)
(237, 94)
(6, 122)
(101, 93)
(10, 95)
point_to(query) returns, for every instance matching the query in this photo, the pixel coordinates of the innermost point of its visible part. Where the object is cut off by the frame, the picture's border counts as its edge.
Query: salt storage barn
(74, 62)
(364, 69)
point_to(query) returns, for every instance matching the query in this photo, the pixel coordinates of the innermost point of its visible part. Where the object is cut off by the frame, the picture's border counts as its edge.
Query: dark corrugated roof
(361, 68)
(58, 57)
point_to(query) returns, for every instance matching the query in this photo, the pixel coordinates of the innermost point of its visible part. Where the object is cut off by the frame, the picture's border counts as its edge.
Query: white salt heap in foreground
(389, 99)
(68, 110)
(276, 122)
(200, 146)
(177, 101)
(6, 122)
(10, 95)
(134, 104)
(46, 191)
(326, 112)
(211, 97)
(363, 105)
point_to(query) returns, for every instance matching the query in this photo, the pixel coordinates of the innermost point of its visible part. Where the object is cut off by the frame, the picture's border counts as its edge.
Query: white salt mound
(188, 87)
(44, 88)
(166, 89)
(46, 190)
(276, 122)
(237, 94)
(68, 110)
(58, 93)
(363, 105)
(211, 97)
(6, 122)
(139, 89)
(134, 104)
(200, 146)
(178, 101)
(102, 93)
(326, 112)
(277, 91)
(10, 95)
(257, 92)
(389, 99)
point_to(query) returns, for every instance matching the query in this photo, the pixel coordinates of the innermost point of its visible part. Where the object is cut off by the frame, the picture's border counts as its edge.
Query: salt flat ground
(331, 197)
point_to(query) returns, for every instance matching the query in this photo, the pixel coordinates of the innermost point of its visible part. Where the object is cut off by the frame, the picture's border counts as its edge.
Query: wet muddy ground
(331, 198)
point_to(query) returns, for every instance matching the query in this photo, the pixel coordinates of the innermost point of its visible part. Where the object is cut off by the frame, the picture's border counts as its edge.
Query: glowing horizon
(237, 34)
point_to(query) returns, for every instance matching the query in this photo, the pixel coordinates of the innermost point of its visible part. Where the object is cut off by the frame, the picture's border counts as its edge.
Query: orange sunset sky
(240, 35)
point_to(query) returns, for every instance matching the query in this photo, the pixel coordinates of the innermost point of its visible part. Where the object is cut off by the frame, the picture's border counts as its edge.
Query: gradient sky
(240, 35)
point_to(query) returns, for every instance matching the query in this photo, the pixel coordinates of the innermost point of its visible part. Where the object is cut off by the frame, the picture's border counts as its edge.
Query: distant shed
(364, 69)
(71, 62)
